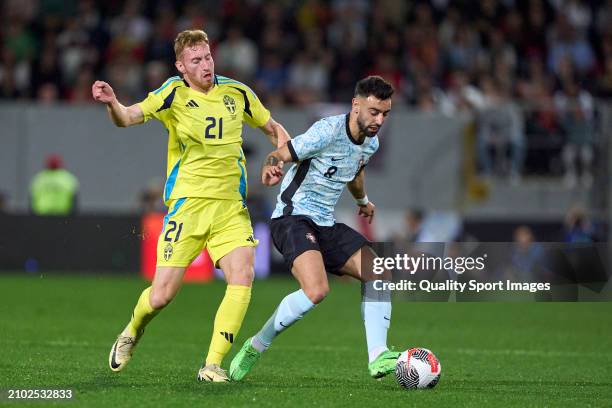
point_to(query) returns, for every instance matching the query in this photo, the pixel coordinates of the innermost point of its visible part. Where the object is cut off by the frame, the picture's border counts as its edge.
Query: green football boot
(384, 364)
(244, 361)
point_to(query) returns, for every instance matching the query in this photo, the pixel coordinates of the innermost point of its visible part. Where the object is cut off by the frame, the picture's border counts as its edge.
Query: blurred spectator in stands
(45, 69)
(237, 56)
(275, 41)
(130, 29)
(308, 79)
(8, 87)
(566, 72)
(197, 15)
(566, 42)
(80, 93)
(312, 15)
(422, 52)
(417, 45)
(386, 66)
(19, 40)
(126, 75)
(527, 255)
(575, 109)
(348, 67)
(156, 73)
(449, 26)
(534, 40)
(14, 74)
(464, 49)
(536, 90)
(75, 51)
(160, 45)
(499, 53)
(54, 190)
(349, 18)
(500, 128)
(462, 98)
(578, 227)
(48, 94)
(577, 12)
(271, 78)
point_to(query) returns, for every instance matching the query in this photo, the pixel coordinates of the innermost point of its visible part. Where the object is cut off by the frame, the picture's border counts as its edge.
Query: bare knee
(317, 293)
(241, 275)
(238, 266)
(239, 271)
(160, 298)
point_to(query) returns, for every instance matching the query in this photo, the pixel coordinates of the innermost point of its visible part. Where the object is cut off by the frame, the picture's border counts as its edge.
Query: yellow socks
(228, 320)
(142, 315)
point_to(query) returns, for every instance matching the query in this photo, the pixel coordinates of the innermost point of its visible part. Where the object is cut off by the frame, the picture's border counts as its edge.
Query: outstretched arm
(357, 189)
(276, 133)
(272, 169)
(121, 116)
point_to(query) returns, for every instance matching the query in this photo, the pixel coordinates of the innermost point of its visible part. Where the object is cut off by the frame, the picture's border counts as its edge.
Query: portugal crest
(230, 103)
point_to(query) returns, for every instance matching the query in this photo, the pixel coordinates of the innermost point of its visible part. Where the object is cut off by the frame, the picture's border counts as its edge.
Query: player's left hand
(272, 175)
(367, 211)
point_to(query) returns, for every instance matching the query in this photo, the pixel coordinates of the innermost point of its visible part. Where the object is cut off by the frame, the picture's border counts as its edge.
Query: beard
(365, 130)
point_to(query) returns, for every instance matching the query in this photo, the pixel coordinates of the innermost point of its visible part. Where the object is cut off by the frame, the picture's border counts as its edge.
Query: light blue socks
(291, 309)
(376, 314)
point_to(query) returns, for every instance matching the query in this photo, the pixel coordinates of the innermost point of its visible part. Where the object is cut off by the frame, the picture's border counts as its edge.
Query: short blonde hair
(188, 38)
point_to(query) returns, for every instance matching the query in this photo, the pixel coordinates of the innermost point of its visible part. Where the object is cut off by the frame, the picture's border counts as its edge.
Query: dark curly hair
(374, 85)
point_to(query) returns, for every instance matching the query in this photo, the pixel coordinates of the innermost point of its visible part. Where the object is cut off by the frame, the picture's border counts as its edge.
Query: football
(418, 368)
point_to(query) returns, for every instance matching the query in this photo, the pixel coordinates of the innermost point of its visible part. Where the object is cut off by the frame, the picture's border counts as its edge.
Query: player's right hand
(103, 92)
(367, 211)
(272, 175)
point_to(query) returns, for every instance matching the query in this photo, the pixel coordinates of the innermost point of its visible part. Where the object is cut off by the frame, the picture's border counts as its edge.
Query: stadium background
(545, 67)
(453, 64)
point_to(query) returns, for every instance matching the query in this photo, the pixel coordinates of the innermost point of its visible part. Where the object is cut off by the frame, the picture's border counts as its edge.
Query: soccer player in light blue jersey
(331, 154)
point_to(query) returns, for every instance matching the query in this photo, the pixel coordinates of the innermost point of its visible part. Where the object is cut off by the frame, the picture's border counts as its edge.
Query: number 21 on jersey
(214, 128)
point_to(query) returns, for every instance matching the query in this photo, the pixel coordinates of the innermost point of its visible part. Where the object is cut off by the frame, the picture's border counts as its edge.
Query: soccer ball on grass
(418, 368)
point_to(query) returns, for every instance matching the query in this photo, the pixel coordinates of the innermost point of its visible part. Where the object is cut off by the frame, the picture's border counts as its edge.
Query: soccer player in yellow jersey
(205, 190)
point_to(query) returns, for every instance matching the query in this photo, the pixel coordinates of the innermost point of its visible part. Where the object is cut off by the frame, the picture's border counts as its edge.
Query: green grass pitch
(56, 332)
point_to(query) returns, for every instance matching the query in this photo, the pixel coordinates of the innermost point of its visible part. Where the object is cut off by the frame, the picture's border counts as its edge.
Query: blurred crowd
(441, 54)
(518, 66)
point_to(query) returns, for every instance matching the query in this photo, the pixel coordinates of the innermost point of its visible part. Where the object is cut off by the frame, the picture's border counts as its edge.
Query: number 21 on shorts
(172, 226)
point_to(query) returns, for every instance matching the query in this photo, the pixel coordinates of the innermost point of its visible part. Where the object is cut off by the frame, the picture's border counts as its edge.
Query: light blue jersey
(326, 159)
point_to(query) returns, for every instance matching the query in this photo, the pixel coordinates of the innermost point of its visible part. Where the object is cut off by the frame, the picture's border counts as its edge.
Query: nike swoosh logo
(113, 362)
(281, 323)
(386, 318)
(334, 159)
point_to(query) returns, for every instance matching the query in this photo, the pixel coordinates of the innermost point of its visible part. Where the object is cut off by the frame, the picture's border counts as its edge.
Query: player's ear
(180, 67)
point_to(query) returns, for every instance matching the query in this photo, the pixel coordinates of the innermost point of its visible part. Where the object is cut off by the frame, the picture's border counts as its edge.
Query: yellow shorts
(193, 223)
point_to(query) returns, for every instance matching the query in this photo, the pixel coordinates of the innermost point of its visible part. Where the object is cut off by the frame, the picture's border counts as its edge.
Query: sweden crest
(230, 104)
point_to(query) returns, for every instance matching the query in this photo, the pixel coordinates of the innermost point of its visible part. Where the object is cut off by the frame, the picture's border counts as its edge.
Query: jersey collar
(348, 131)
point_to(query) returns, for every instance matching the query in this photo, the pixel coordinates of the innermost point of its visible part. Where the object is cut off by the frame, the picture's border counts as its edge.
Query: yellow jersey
(205, 157)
